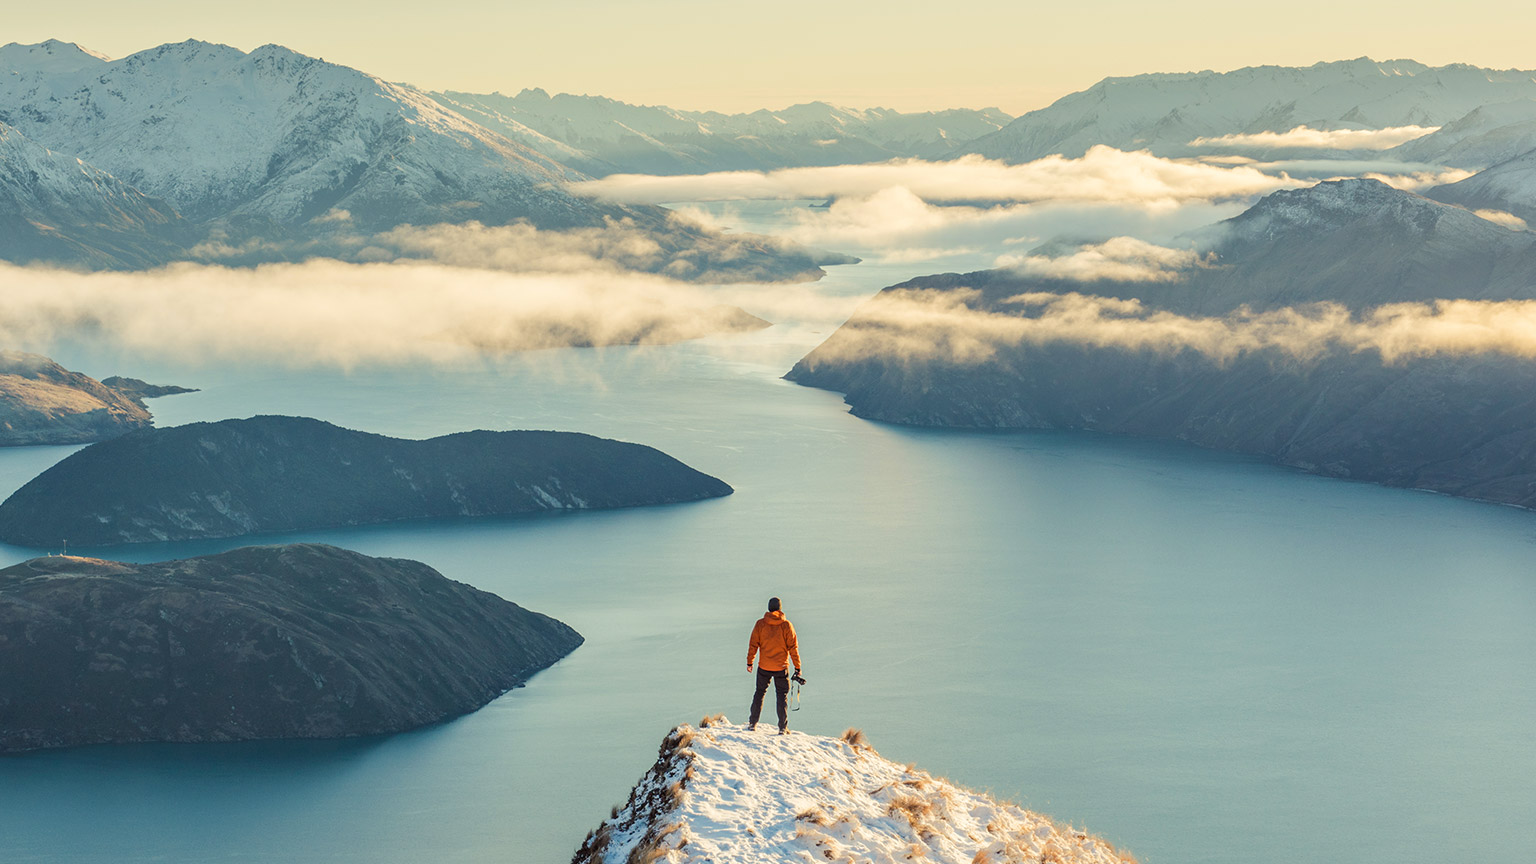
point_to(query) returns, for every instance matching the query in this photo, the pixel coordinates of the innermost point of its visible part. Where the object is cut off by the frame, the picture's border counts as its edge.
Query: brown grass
(855, 738)
(682, 737)
(813, 815)
(710, 720)
(650, 848)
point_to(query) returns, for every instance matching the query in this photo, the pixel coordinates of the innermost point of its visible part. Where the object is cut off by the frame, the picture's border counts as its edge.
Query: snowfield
(718, 793)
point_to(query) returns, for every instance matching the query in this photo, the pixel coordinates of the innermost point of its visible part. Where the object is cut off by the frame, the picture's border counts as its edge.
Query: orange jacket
(775, 636)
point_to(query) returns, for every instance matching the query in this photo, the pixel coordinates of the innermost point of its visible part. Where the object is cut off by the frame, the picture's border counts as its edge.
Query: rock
(267, 474)
(41, 402)
(723, 795)
(302, 641)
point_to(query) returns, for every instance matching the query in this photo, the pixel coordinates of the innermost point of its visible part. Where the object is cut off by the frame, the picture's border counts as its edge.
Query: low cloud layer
(1120, 259)
(330, 313)
(1103, 174)
(895, 225)
(918, 326)
(1305, 137)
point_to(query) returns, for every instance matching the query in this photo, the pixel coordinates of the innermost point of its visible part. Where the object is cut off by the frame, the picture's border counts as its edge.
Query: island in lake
(300, 641)
(41, 402)
(270, 473)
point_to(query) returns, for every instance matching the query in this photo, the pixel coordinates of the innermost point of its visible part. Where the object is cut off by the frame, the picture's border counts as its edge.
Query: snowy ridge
(721, 794)
(275, 135)
(1486, 136)
(1164, 112)
(1509, 186)
(602, 136)
(54, 205)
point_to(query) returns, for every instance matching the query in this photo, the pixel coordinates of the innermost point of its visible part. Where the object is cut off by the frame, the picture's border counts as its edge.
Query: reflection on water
(1200, 656)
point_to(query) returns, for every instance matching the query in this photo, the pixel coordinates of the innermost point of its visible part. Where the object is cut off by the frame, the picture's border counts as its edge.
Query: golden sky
(737, 56)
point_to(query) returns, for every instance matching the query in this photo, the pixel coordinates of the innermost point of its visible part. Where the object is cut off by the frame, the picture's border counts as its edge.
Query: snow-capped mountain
(272, 155)
(723, 795)
(1486, 136)
(276, 136)
(602, 136)
(56, 207)
(1164, 112)
(1509, 186)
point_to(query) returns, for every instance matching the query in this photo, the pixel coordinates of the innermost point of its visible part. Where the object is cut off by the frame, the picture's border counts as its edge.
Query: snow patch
(721, 794)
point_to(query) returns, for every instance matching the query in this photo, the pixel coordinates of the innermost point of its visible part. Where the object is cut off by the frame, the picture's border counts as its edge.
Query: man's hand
(749, 667)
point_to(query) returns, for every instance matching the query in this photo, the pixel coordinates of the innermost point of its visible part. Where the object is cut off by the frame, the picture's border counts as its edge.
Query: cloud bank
(947, 326)
(1320, 139)
(1119, 259)
(329, 313)
(1103, 174)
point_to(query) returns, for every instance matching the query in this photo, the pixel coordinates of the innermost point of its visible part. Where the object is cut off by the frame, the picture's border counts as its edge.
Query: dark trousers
(780, 691)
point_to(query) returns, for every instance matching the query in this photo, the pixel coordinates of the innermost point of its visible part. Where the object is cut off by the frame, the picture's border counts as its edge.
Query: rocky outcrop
(41, 402)
(139, 389)
(723, 795)
(269, 474)
(303, 641)
(1461, 421)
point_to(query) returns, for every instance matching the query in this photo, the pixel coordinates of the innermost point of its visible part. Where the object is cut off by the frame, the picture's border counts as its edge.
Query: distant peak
(55, 48)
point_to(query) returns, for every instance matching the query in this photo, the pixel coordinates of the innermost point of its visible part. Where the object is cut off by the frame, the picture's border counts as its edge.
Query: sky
(692, 54)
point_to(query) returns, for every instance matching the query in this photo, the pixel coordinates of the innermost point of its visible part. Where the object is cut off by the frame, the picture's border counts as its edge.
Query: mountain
(275, 136)
(41, 402)
(720, 794)
(1484, 137)
(238, 477)
(1326, 263)
(1509, 186)
(1164, 112)
(600, 136)
(302, 641)
(272, 155)
(55, 207)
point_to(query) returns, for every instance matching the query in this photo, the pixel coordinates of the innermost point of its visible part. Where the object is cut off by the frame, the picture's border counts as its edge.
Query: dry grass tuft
(911, 806)
(710, 720)
(682, 737)
(813, 815)
(651, 848)
(855, 738)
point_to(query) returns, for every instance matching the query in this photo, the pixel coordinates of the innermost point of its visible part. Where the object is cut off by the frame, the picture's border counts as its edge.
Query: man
(774, 637)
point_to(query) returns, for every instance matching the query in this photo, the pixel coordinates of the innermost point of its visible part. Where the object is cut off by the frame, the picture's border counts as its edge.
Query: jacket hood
(773, 618)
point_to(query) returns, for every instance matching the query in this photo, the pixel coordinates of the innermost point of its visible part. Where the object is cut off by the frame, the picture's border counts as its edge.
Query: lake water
(1203, 657)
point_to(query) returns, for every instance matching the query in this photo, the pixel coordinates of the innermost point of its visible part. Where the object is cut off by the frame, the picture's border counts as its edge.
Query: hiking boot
(752, 727)
(783, 730)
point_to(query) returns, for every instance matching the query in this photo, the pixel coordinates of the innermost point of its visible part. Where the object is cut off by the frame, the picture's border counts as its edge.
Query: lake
(1201, 656)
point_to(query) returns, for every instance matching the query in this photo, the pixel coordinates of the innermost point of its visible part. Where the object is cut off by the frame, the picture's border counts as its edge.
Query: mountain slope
(1485, 136)
(302, 641)
(56, 208)
(41, 402)
(723, 795)
(1509, 186)
(274, 135)
(1164, 112)
(1196, 358)
(600, 136)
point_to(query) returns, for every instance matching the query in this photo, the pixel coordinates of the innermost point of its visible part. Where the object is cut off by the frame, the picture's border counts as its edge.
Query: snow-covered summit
(277, 136)
(1164, 112)
(49, 56)
(721, 794)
